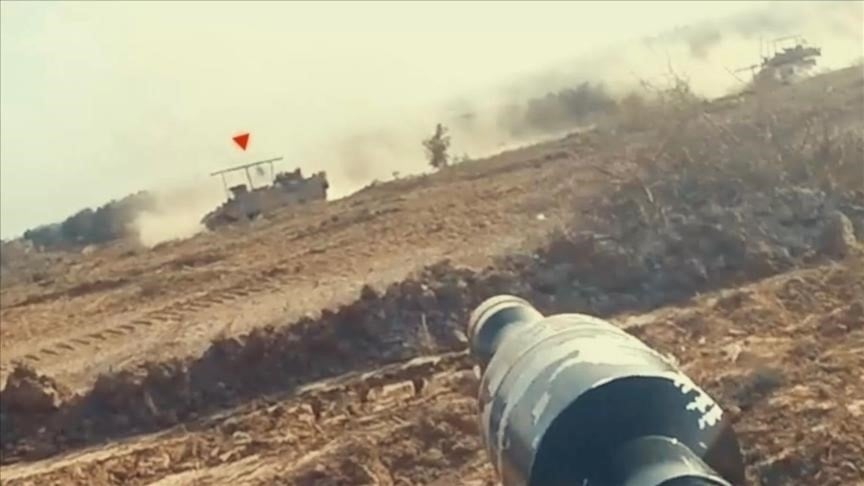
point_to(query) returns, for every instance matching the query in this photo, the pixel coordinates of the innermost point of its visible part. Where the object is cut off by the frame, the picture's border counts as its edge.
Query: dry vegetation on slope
(651, 224)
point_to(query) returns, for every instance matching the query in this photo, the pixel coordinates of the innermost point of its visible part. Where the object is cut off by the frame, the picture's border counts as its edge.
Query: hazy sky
(102, 99)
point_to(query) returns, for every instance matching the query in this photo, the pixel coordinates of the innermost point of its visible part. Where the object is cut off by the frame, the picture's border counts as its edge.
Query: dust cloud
(707, 54)
(175, 214)
(563, 98)
(359, 136)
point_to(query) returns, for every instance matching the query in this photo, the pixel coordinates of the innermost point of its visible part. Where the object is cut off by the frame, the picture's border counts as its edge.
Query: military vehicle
(248, 202)
(788, 59)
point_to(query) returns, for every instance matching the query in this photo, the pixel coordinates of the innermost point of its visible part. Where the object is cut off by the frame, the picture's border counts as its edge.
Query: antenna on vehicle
(246, 167)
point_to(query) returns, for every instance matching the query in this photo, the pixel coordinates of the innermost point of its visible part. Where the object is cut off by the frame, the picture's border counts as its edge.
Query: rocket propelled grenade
(571, 399)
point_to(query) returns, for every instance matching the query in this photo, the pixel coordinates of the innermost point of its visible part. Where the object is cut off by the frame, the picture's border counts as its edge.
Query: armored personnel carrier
(246, 202)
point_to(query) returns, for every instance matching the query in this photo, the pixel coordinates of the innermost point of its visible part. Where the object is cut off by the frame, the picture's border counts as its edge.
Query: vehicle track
(199, 317)
(175, 313)
(76, 341)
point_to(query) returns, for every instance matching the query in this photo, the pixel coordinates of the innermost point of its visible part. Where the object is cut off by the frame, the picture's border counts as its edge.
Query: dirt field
(245, 356)
(117, 307)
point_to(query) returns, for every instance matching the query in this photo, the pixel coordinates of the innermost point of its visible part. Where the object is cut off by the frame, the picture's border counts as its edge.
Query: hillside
(328, 347)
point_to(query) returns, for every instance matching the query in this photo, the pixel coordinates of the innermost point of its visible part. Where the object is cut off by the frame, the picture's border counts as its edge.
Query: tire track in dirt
(269, 279)
(201, 316)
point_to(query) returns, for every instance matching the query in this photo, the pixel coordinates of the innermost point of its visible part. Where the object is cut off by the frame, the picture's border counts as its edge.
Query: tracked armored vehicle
(247, 202)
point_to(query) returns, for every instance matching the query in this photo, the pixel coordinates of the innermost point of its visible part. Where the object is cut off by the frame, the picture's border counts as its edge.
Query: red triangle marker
(242, 140)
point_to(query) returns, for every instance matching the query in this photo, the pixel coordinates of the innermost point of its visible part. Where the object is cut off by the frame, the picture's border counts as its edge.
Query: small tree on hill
(437, 146)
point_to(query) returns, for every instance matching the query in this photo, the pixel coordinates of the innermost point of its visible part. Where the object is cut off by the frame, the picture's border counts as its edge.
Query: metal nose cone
(489, 319)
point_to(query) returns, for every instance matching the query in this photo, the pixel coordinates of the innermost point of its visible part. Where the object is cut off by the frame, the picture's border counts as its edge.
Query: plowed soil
(327, 346)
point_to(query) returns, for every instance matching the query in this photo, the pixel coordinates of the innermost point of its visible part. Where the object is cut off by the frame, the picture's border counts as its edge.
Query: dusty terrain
(327, 347)
(117, 307)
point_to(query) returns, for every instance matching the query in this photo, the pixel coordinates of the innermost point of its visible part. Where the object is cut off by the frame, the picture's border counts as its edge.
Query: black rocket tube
(570, 399)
